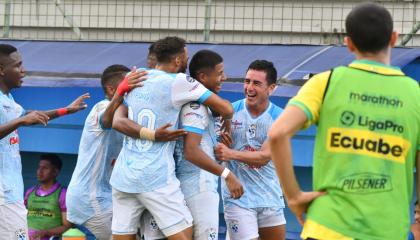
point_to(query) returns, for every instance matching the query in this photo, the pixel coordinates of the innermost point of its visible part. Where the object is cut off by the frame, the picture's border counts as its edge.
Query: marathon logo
(364, 142)
(366, 183)
(376, 99)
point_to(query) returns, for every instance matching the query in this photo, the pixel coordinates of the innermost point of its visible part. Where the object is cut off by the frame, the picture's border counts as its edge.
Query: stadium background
(66, 45)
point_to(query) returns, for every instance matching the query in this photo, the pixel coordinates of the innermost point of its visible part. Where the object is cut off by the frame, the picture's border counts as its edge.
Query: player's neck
(169, 68)
(47, 185)
(257, 110)
(382, 57)
(3, 88)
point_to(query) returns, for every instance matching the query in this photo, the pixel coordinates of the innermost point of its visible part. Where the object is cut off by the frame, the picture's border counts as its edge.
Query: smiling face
(257, 90)
(11, 70)
(212, 79)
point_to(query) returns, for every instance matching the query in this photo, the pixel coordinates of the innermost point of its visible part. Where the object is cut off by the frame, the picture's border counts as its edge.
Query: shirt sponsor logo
(349, 118)
(190, 79)
(364, 142)
(373, 99)
(194, 87)
(366, 183)
(236, 124)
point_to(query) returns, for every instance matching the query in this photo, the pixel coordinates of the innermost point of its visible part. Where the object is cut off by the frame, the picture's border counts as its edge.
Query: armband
(147, 134)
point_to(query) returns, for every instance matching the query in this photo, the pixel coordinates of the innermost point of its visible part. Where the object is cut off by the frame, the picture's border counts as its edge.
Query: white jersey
(143, 165)
(89, 187)
(11, 181)
(196, 118)
(261, 185)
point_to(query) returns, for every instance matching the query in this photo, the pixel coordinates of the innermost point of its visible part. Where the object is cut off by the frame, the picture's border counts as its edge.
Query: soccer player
(259, 212)
(144, 174)
(368, 135)
(196, 167)
(13, 221)
(89, 194)
(46, 202)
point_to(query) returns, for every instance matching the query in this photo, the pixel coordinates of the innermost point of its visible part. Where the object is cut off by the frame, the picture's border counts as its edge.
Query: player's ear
(394, 38)
(271, 88)
(202, 77)
(349, 44)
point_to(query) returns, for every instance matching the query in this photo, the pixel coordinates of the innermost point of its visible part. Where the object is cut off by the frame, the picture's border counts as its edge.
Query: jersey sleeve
(99, 111)
(186, 89)
(310, 96)
(62, 200)
(194, 117)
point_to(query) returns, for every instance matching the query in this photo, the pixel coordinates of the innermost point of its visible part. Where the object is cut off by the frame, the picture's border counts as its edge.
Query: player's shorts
(100, 225)
(13, 223)
(243, 223)
(166, 204)
(204, 208)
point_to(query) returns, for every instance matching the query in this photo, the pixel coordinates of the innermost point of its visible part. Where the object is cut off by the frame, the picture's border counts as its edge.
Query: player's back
(146, 165)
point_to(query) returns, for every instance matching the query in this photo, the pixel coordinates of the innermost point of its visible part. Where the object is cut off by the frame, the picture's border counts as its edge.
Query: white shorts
(204, 208)
(243, 223)
(13, 223)
(166, 204)
(205, 211)
(100, 225)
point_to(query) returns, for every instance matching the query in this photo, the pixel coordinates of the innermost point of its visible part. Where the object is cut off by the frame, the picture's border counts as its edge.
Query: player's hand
(78, 104)
(39, 234)
(135, 78)
(235, 187)
(226, 126)
(299, 204)
(163, 134)
(35, 117)
(222, 152)
(226, 139)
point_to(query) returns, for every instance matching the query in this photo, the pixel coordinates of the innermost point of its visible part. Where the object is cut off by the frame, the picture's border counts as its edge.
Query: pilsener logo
(365, 183)
(368, 143)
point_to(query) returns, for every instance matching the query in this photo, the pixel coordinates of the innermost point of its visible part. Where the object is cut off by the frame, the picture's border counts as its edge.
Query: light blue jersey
(261, 185)
(89, 188)
(196, 118)
(143, 165)
(11, 181)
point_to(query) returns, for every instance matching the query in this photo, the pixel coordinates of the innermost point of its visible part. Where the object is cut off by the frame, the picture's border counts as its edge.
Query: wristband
(62, 111)
(147, 134)
(225, 173)
(123, 87)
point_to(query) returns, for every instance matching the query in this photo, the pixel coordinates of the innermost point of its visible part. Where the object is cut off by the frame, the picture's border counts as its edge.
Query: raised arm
(34, 117)
(77, 105)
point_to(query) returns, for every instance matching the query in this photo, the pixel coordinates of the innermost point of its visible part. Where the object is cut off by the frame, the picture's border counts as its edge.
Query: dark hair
(6, 50)
(151, 57)
(165, 49)
(53, 159)
(267, 67)
(369, 26)
(113, 74)
(203, 60)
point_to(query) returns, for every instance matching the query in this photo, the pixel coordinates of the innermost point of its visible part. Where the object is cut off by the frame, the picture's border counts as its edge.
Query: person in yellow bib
(367, 142)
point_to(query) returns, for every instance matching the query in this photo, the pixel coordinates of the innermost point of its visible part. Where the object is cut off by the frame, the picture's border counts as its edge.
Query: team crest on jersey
(21, 234)
(211, 234)
(194, 105)
(252, 130)
(153, 225)
(234, 226)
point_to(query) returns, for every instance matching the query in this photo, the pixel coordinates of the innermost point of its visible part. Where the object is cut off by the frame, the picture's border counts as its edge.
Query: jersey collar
(376, 67)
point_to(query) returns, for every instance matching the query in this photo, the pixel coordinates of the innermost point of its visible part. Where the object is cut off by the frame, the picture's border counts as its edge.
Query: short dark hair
(6, 50)
(53, 159)
(151, 57)
(113, 74)
(204, 60)
(267, 67)
(165, 49)
(369, 26)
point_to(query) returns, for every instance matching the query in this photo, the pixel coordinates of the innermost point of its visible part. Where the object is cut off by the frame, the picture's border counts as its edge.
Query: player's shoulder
(238, 105)
(274, 110)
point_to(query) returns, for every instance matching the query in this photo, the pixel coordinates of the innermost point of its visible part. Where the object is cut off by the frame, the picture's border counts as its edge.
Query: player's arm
(255, 158)
(194, 153)
(123, 124)
(57, 231)
(77, 105)
(280, 135)
(34, 117)
(132, 80)
(220, 105)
